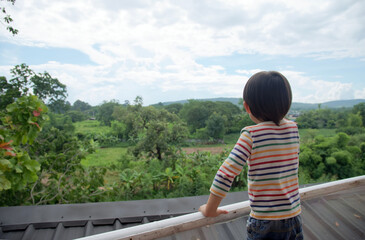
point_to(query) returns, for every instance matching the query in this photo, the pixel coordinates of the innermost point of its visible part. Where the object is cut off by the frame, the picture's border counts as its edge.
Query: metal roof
(336, 216)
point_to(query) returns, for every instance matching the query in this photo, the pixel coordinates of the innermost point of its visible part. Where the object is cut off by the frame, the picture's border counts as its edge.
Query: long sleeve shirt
(271, 155)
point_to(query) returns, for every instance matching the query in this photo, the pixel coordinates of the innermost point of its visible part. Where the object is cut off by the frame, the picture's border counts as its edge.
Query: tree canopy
(25, 81)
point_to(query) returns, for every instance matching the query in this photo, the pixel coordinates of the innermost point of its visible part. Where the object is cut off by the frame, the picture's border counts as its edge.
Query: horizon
(165, 51)
(210, 99)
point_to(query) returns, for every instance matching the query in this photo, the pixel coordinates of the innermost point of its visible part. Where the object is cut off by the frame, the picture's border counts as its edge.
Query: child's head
(268, 95)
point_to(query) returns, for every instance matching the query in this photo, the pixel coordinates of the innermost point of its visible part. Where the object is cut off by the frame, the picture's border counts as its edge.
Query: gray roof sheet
(336, 216)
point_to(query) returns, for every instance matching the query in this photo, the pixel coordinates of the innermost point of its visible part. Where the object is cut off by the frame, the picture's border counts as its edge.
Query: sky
(175, 50)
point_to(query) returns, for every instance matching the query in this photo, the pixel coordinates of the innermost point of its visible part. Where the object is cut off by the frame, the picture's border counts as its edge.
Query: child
(270, 149)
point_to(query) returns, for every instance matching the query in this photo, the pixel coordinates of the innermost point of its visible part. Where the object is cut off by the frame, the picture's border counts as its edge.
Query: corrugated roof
(69, 221)
(339, 215)
(336, 216)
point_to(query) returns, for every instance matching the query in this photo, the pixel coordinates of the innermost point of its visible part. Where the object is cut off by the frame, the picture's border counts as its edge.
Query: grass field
(90, 127)
(108, 156)
(104, 157)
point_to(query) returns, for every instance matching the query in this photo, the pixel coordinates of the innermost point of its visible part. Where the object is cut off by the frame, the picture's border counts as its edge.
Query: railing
(174, 225)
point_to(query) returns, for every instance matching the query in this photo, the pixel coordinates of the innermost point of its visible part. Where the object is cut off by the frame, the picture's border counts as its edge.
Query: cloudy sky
(174, 50)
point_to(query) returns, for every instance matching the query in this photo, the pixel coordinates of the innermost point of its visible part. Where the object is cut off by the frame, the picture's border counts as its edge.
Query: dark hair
(268, 94)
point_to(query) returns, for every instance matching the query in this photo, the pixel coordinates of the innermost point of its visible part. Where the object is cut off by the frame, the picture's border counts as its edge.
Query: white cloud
(201, 28)
(360, 94)
(155, 44)
(312, 90)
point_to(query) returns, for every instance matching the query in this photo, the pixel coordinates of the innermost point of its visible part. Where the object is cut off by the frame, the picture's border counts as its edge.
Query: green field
(109, 156)
(104, 157)
(91, 127)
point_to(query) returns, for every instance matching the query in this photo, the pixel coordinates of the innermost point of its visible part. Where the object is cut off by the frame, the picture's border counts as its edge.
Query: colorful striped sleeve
(233, 165)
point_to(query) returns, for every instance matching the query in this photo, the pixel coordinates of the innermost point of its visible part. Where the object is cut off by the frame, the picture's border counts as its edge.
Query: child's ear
(247, 108)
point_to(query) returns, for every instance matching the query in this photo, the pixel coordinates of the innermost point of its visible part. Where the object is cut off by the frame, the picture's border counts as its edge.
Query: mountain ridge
(295, 105)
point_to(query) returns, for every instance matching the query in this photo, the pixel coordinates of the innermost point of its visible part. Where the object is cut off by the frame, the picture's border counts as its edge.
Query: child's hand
(212, 213)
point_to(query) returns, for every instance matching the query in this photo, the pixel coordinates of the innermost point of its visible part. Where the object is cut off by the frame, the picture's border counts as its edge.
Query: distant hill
(235, 101)
(295, 105)
(332, 104)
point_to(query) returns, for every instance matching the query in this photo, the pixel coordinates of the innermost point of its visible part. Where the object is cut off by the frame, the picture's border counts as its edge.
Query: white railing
(174, 225)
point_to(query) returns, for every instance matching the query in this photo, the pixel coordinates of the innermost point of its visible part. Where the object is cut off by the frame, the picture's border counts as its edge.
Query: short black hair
(269, 96)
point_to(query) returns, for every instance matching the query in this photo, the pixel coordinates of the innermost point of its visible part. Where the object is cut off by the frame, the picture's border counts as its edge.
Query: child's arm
(211, 208)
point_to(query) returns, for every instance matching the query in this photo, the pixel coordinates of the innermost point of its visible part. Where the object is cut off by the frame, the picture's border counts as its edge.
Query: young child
(270, 150)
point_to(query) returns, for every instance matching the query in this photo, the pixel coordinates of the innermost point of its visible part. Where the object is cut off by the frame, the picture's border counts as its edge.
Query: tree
(7, 18)
(81, 106)
(355, 120)
(20, 126)
(174, 108)
(61, 177)
(119, 128)
(195, 115)
(215, 126)
(159, 134)
(77, 116)
(105, 112)
(360, 110)
(25, 81)
(8, 93)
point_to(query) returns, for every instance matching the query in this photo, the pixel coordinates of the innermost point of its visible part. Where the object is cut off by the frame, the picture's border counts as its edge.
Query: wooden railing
(174, 225)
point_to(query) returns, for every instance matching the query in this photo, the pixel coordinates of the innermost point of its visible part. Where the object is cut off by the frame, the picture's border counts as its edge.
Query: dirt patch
(213, 150)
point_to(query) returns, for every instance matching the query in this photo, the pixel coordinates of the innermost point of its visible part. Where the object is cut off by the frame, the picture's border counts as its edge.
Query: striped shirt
(271, 155)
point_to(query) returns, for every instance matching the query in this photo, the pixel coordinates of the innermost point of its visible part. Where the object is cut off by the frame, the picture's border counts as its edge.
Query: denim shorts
(290, 228)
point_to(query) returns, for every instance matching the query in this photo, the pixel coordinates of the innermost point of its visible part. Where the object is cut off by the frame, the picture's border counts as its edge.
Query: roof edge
(196, 220)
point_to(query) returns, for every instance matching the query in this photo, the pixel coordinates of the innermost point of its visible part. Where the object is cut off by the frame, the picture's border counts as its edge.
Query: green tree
(105, 112)
(20, 126)
(61, 177)
(355, 120)
(77, 116)
(81, 106)
(195, 115)
(119, 128)
(360, 110)
(215, 126)
(159, 134)
(8, 93)
(24, 82)
(174, 108)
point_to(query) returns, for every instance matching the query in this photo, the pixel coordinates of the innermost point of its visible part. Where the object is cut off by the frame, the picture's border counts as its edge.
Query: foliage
(174, 108)
(105, 112)
(80, 106)
(61, 177)
(196, 114)
(189, 175)
(360, 110)
(119, 129)
(159, 132)
(336, 157)
(149, 162)
(25, 81)
(77, 116)
(215, 126)
(320, 118)
(20, 126)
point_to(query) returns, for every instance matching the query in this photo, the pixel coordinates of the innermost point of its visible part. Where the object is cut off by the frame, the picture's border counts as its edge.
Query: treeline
(348, 120)
(205, 120)
(41, 153)
(40, 156)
